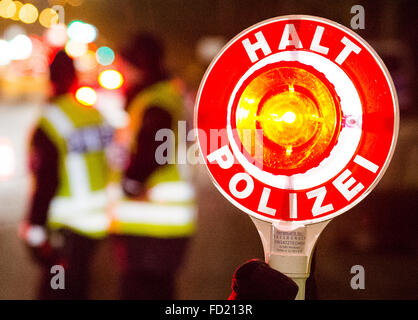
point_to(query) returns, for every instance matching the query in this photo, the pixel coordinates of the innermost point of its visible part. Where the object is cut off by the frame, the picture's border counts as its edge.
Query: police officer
(69, 168)
(156, 217)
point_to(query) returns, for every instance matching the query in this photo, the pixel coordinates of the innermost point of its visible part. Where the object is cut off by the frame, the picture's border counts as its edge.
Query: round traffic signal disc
(297, 119)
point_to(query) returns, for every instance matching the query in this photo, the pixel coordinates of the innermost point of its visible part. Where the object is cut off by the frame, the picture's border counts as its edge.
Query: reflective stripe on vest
(169, 210)
(87, 217)
(155, 220)
(74, 162)
(172, 192)
(83, 210)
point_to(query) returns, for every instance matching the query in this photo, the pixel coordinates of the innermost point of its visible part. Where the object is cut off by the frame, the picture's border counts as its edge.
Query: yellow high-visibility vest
(80, 136)
(169, 209)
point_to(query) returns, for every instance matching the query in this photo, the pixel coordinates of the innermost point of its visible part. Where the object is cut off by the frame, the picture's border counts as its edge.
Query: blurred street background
(381, 233)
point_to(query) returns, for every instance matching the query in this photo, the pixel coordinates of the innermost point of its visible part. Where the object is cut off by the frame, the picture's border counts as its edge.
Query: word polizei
(344, 183)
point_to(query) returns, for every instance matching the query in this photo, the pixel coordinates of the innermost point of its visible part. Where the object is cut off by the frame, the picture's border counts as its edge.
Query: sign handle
(288, 248)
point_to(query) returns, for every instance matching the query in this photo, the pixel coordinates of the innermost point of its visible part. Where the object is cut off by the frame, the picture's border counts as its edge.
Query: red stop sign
(297, 119)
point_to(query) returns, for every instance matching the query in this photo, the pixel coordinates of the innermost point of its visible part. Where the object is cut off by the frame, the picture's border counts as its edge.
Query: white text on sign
(290, 38)
(344, 183)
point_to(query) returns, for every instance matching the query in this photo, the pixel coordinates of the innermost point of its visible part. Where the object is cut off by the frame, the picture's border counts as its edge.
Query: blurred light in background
(75, 3)
(20, 47)
(12, 31)
(75, 49)
(56, 35)
(208, 47)
(57, 2)
(48, 18)
(110, 79)
(5, 50)
(28, 13)
(81, 32)
(3, 7)
(7, 9)
(18, 5)
(86, 96)
(38, 61)
(111, 105)
(7, 159)
(105, 56)
(86, 62)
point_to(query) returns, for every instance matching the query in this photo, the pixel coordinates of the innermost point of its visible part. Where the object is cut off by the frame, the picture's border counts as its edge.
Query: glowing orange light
(297, 113)
(86, 96)
(9, 9)
(18, 5)
(48, 18)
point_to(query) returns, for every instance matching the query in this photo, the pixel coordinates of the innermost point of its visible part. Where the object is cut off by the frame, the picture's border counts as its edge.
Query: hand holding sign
(307, 118)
